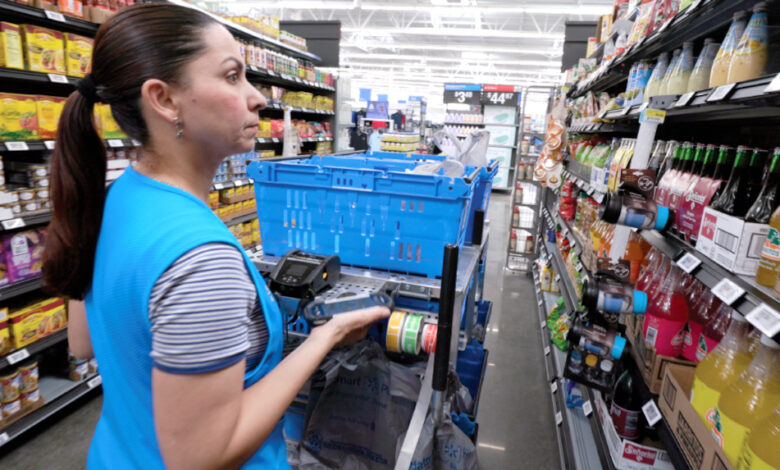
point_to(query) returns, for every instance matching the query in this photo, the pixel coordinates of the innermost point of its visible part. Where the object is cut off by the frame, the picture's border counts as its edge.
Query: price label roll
(412, 334)
(429, 338)
(394, 328)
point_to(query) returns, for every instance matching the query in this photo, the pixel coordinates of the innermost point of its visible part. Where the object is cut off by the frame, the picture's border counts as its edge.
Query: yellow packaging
(11, 55)
(109, 129)
(36, 321)
(78, 54)
(49, 111)
(18, 117)
(44, 49)
(213, 199)
(5, 333)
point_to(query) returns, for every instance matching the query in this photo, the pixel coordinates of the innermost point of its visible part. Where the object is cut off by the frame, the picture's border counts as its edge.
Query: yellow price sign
(653, 115)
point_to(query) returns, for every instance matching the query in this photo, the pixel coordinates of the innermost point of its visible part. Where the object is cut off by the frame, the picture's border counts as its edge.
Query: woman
(188, 338)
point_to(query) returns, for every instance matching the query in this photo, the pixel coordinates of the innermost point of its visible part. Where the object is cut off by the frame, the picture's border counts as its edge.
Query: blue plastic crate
(368, 211)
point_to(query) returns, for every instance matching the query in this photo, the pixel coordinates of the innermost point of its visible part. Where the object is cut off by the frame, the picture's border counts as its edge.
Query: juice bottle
(719, 369)
(714, 331)
(759, 452)
(606, 240)
(654, 285)
(634, 255)
(754, 341)
(751, 398)
(678, 82)
(663, 88)
(769, 265)
(720, 66)
(703, 306)
(651, 264)
(666, 317)
(750, 55)
(657, 76)
(700, 77)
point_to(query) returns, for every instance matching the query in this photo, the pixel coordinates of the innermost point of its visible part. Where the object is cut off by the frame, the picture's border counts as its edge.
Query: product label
(626, 421)
(771, 248)
(664, 335)
(705, 401)
(704, 346)
(640, 455)
(691, 341)
(755, 37)
(695, 200)
(734, 435)
(750, 461)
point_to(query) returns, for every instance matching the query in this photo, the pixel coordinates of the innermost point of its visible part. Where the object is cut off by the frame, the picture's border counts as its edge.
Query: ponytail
(78, 191)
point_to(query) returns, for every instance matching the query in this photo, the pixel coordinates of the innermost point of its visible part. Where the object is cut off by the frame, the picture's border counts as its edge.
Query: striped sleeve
(200, 311)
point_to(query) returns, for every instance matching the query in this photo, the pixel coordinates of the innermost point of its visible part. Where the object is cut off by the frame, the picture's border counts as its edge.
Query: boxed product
(36, 321)
(18, 117)
(11, 55)
(731, 242)
(72, 7)
(626, 454)
(49, 110)
(50, 5)
(696, 441)
(651, 365)
(109, 129)
(23, 253)
(44, 49)
(5, 333)
(604, 27)
(78, 54)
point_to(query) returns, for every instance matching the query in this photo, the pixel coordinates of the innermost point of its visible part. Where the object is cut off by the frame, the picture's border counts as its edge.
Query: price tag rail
(15, 357)
(19, 13)
(265, 76)
(41, 145)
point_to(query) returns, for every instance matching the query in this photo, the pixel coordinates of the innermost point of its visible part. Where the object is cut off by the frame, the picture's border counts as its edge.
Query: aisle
(516, 427)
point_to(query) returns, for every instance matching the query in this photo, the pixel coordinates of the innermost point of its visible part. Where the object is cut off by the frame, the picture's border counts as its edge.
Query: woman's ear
(158, 98)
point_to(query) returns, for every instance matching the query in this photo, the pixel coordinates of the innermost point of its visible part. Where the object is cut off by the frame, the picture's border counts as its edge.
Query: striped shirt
(205, 313)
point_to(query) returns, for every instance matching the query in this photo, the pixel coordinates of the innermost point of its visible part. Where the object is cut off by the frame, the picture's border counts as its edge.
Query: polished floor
(516, 427)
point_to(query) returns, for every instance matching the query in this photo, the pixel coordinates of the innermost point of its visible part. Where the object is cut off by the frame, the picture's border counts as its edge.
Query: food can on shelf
(31, 206)
(11, 384)
(14, 207)
(29, 373)
(79, 370)
(40, 182)
(30, 398)
(26, 195)
(42, 194)
(11, 408)
(93, 366)
(38, 171)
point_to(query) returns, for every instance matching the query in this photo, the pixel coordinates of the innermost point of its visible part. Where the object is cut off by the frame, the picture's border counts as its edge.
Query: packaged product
(664, 11)
(751, 54)
(93, 366)
(44, 49)
(23, 254)
(11, 408)
(109, 129)
(78, 54)
(71, 7)
(11, 55)
(30, 398)
(5, 333)
(49, 109)
(29, 373)
(79, 370)
(644, 22)
(18, 117)
(11, 383)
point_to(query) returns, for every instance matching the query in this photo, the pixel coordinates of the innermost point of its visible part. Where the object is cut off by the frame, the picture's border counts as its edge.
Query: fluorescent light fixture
(430, 69)
(426, 58)
(557, 52)
(470, 32)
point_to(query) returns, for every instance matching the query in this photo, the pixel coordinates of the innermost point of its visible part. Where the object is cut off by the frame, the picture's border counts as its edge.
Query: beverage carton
(731, 242)
(690, 211)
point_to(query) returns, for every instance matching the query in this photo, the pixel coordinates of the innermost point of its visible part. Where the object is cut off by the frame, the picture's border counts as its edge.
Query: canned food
(46, 204)
(79, 370)
(42, 194)
(40, 182)
(30, 398)
(12, 385)
(26, 194)
(38, 171)
(93, 366)
(11, 408)
(29, 375)
(31, 206)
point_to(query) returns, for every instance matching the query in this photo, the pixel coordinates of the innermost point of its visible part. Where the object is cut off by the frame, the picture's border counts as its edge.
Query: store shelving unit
(528, 206)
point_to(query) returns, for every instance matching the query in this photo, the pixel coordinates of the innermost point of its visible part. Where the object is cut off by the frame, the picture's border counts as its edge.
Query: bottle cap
(640, 302)
(606, 366)
(662, 219)
(618, 347)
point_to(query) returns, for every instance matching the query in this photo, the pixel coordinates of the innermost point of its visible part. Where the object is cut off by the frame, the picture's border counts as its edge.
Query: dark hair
(142, 42)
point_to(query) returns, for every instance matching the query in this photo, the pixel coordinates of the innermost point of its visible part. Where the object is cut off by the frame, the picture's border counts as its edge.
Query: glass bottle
(769, 197)
(700, 77)
(738, 182)
(751, 54)
(710, 161)
(678, 82)
(698, 159)
(626, 407)
(720, 66)
(663, 89)
(657, 77)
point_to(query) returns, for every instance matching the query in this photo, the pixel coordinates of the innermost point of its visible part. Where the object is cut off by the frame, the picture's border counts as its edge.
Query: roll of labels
(408, 333)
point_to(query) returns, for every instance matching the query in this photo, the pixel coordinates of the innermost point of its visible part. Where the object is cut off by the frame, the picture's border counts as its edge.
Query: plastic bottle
(626, 408)
(666, 317)
(613, 297)
(663, 89)
(720, 66)
(751, 53)
(759, 452)
(634, 210)
(703, 306)
(769, 197)
(654, 287)
(657, 77)
(678, 82)
(700, 77)
(714, 331)
(650, 265)
(719, 369)
(642, 78)
(634, 254)
(769, 264)
(749, 399)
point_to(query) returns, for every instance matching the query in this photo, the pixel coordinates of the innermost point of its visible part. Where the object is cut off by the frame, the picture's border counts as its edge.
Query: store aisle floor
(516, 428)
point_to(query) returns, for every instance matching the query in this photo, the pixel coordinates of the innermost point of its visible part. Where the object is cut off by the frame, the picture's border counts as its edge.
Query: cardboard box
(11, 55)
(651, 365)
(697, 444)
(628, 455)
(23, 252)
(98, 15)
(44, 49)
(5, 333)
(604, 28)
(78, 54)
(18, 117)
(47, 5)
(49, 111)
(731, 242)
(36, 321)
(72, 7)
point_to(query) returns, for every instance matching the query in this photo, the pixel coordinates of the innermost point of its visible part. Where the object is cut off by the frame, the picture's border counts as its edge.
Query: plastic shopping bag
(445, 448)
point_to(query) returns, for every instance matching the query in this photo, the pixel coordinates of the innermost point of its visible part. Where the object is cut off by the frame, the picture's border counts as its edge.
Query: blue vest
(147, 225)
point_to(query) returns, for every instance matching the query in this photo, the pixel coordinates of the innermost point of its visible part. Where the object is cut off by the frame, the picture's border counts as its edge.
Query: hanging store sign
(499, 95)
(462, 93)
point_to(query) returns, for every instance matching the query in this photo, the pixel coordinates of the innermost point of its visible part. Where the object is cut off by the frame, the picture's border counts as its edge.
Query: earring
(179, 127)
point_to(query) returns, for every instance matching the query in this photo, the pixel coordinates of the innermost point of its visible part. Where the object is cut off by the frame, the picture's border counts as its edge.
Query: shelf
(58, 394)
(306, 140)
(19, 13)
(231, 184)
(241, 220)
(581, 175)
(296, 109)
(498, 124)
(710, 273)
(605, 128)
(26, 220)
(502, 146)
(702, 19)
(41, 145)
(33, 348)
(447, 123)
(269, 76)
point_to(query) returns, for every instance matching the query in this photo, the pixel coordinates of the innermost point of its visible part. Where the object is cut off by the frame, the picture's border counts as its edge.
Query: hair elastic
(88, 89)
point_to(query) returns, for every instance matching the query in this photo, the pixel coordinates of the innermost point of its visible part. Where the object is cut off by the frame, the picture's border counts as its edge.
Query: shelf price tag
(578, 268)
(543, 324)
(587, 408)
(94, 382)
(49, 144)
(136, 143)
(16, 146)
(688, 262)
(19, 355)
(766, 319)
(115, 143)
(57, 78)
(4, 438)
(720, 93)
(656, 116)
(651, 412)
(684, 99)
(727, 291)
(554, 386)
(558, 418)
(13, 223)
(547, 350)
(55, 16)
(774, 85)
(275, 140)
(624, 111)
(219, 186)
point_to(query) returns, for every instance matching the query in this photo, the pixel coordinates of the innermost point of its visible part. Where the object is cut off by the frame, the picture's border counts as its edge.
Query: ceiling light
(452, 48)
(477, 58)
(471, 32)
(512, 71)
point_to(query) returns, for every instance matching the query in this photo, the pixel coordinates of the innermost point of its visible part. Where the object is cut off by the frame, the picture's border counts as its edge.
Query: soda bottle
(723, 169)
(626, 408)
(710, 161)
(719, 369)
(666, 317)
(714, 331)
(653, 287)
(751, 398)
(769, 197)
(657, 155)
(667, 161)
(759, 451)
(737, 185)
(703, 306)
(698, 158)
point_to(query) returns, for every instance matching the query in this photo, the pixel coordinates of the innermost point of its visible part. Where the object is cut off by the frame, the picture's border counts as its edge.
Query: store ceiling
(427, 42)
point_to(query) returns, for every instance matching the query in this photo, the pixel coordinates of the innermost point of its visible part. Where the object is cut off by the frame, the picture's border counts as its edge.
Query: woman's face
(218, 105)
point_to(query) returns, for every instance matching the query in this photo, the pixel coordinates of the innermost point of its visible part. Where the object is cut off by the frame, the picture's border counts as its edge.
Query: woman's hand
(345, 329)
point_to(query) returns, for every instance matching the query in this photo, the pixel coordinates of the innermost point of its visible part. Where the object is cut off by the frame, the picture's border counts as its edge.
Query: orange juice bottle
(606, 240)
(759, 452)
(635, 255)
(719, 369)
(751, 398)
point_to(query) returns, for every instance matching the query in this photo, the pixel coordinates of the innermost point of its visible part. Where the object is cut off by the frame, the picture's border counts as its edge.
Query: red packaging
(695, 200)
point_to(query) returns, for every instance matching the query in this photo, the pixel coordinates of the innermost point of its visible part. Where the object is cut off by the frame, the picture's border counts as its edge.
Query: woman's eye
(233, 77)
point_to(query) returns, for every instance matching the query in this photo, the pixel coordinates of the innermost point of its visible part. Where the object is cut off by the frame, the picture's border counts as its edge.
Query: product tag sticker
(13, 223)
(578, 268)
(587, 408)
(543, 324)
(219, 186)
(49, 144)
(651, 412)
(95, 381)
(4, 438)
(558, 418)
(727, 291)
(115, 143)
(55, 16)
(766, 319)
(554, 386)
(136, 143)
(774, 85)
(19, 355)
(688, 262)
(547, 350)
(656, 116)
(557, 278)
(275, 140)
(684, 99)
(57, 78)
(721, 93)
(271, 73)
(16, 146)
